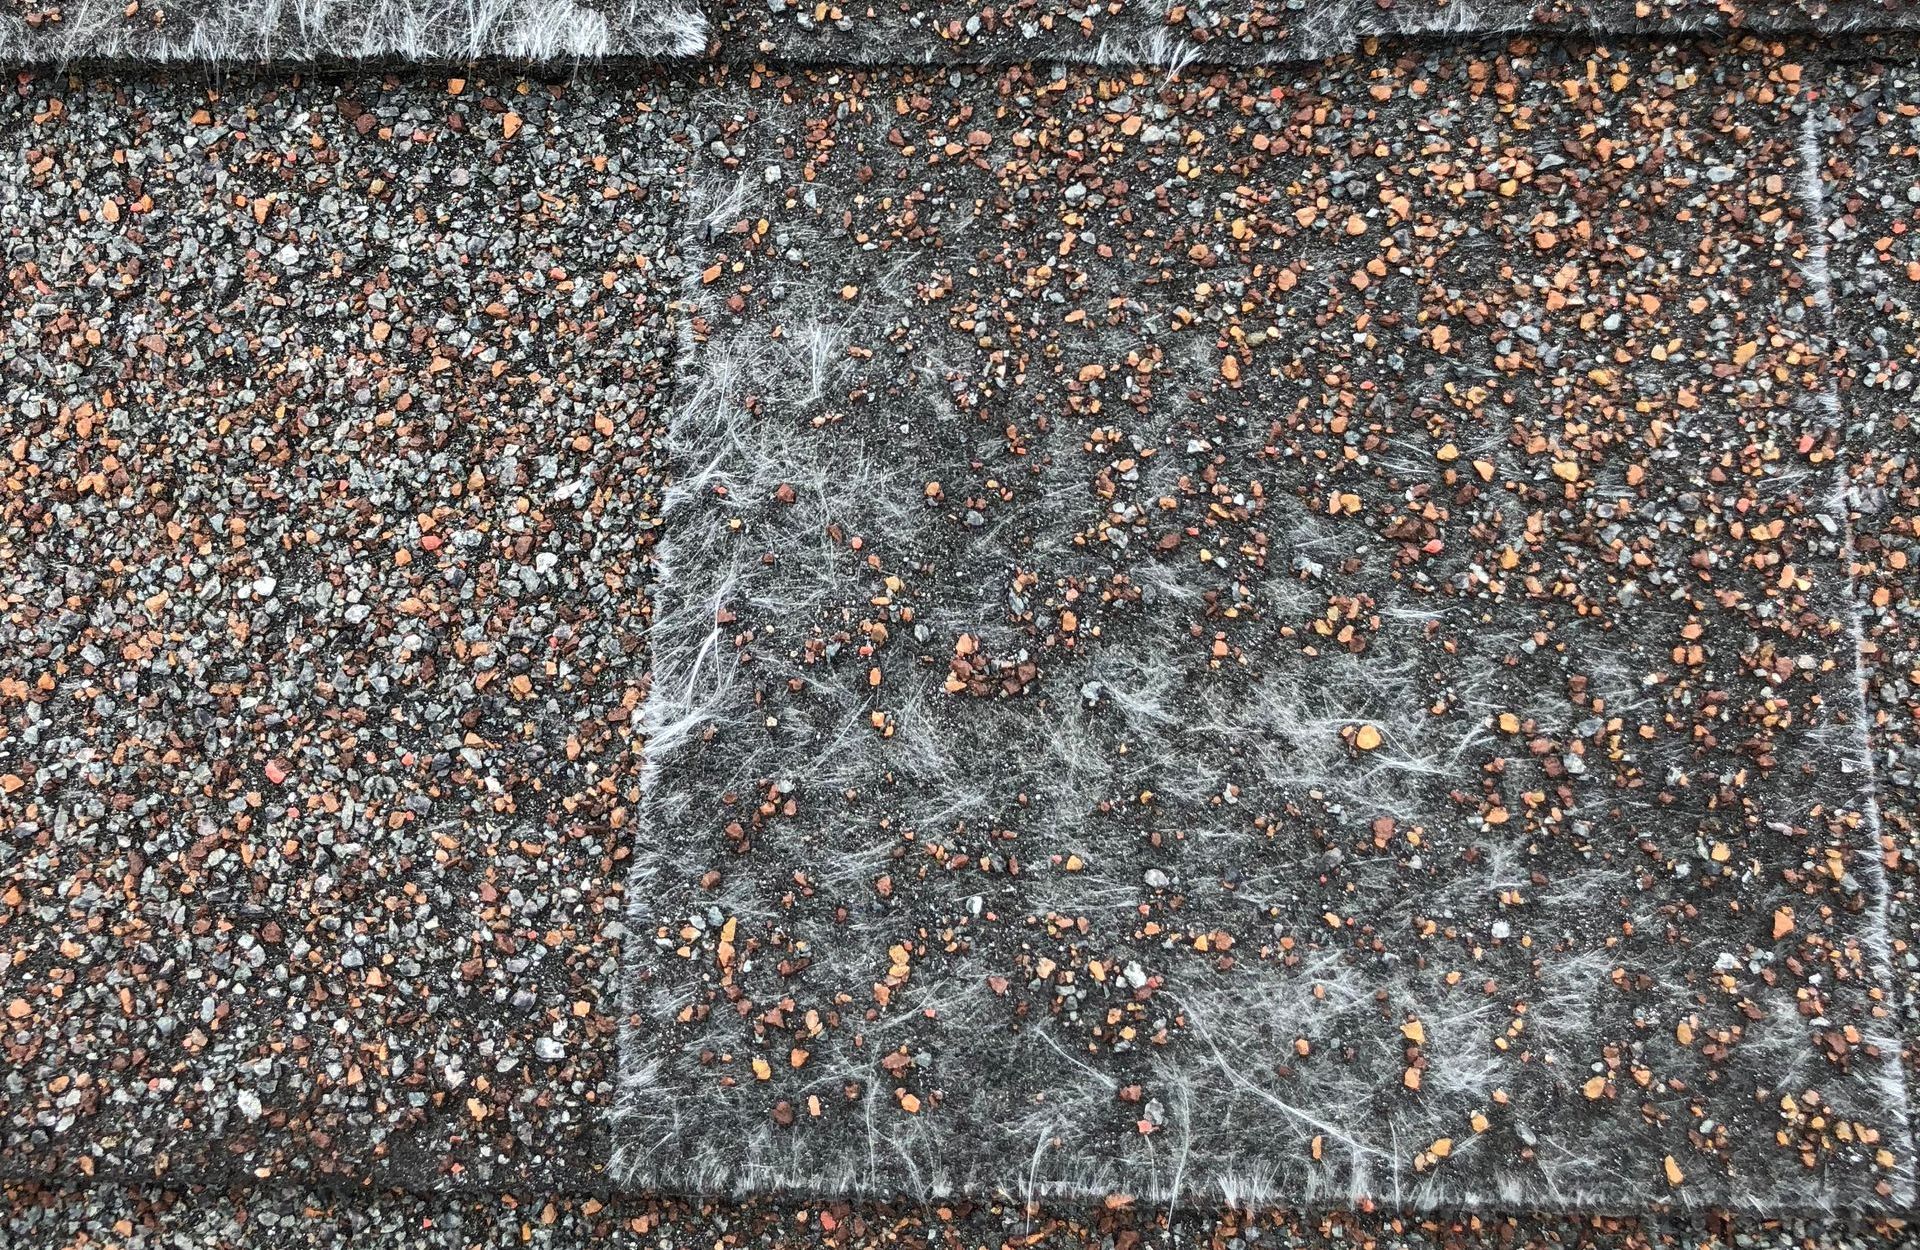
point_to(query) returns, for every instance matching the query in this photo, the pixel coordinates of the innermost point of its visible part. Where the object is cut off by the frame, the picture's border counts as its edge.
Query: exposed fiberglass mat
(1278, 636)
(285, 31)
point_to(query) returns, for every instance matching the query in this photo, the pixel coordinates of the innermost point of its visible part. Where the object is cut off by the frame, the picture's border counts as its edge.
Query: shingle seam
(1812, 192)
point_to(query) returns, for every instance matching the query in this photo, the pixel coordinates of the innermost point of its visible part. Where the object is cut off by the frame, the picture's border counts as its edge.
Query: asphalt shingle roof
(1316, 611)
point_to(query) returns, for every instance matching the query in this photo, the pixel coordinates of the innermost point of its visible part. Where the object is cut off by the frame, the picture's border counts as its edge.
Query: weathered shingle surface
(330, 476)
(265, 1216)
(1118, 32)
(1283, 637)
(1870, 148)
(1167, 33)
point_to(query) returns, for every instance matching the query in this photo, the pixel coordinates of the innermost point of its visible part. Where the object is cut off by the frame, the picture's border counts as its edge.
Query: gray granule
(331, 481)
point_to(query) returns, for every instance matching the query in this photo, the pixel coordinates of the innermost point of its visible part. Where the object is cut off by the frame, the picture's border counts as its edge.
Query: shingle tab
(330, 474)
(1282, 636)
(1869, 141)
(1236, 32)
